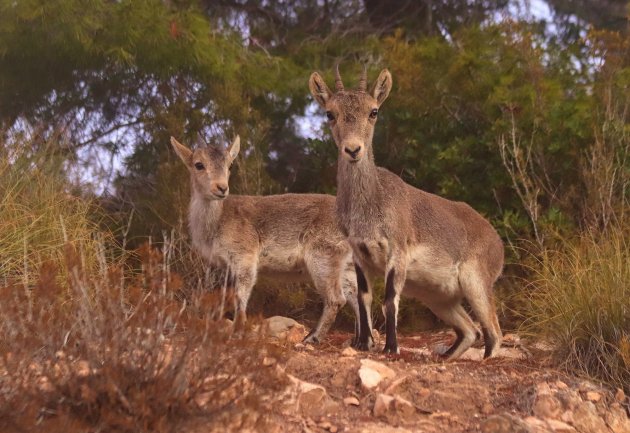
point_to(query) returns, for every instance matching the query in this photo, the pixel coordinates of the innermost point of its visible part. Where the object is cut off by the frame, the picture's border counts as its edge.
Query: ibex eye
(330, 116)
(373, 114)
(199, 166)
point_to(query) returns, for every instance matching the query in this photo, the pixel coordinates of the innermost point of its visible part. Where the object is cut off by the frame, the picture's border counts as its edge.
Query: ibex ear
(320, 91)
(234, 148)
(382, 86)
(184, 153)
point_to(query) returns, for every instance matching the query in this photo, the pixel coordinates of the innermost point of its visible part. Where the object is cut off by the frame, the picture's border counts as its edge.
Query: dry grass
(38, 214)
(578, 299)
(114, 352)
(94, 338)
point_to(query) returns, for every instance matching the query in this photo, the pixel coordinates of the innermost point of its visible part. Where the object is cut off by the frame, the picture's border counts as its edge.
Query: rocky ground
(336, 389)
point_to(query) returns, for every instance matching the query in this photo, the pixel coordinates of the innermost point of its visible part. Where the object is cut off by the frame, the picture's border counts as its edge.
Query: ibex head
(351, 113)
(209, 167)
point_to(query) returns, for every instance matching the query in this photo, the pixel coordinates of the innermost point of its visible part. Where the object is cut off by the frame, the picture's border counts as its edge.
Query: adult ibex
(438, 250)
(290, 237)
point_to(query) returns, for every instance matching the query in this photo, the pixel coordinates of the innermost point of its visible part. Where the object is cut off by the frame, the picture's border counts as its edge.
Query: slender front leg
(351, 295)
(245, 278)
(364, 298)
(329, 286)
(394, 283)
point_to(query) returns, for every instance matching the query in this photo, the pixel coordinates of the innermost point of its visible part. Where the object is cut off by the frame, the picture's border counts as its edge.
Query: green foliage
(50, 46)
(528, 127)
(455, 99)
(129, 74)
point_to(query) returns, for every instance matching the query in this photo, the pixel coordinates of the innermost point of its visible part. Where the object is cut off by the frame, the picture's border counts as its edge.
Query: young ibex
(440, 251)
(290, 237)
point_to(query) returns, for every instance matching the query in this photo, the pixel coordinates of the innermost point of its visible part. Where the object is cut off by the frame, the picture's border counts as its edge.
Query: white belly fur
(430, 271)
(274, 259)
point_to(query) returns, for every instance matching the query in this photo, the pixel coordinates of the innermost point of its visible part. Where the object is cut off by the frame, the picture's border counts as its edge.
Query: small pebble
(351, 401)
(561, 385)
(593, 396)
(620, 396)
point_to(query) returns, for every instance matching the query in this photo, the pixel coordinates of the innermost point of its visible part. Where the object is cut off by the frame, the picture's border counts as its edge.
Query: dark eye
(373, 114)
(330, 116)
(199, 166)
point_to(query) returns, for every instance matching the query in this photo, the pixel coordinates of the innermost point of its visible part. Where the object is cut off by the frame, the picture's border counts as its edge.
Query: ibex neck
(359, 197)
(203, 218)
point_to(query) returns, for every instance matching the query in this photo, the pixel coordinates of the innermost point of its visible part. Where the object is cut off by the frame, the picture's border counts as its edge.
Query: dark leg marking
(361, 281)
(458, 341)
(489, 342)
(364, 326)
(365, 251)
(314, 340)
(229, 290)
(391, 341)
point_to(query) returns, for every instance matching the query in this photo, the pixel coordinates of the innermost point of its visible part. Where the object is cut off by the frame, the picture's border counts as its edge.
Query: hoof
(446, 357)
(364, 346)
(391, 349)
(311, 339)
(490, 352)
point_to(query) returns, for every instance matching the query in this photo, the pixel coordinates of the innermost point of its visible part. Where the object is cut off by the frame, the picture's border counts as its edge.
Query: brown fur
(290, 237)
(438, 250)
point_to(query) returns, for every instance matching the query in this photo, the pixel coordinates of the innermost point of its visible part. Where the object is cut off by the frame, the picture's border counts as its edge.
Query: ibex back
(439, 251)
(290, 237)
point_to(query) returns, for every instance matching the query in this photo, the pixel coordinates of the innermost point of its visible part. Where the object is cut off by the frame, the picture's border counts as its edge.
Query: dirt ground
(517, 390)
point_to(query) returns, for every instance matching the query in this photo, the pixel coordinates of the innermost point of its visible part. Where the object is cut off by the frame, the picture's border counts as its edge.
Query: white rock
(285, 328)
(393, 407)
(351, 401)
(369, 378)
(311, 398)
(348, 352)
(381, 405)
(372, 373)
(593, 396)
(620, 396)
(561, 385)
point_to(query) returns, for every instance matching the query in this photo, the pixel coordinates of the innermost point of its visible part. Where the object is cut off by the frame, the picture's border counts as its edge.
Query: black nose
(352, 153)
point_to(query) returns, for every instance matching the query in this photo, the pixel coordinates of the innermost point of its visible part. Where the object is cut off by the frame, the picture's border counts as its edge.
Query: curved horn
(363, 79)
(338, 83)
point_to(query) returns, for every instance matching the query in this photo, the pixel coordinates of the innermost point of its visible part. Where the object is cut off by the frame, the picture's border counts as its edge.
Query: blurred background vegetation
(518, 107)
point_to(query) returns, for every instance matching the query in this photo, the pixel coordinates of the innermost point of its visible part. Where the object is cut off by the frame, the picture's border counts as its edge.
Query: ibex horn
(363, 79)
(338, 83)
